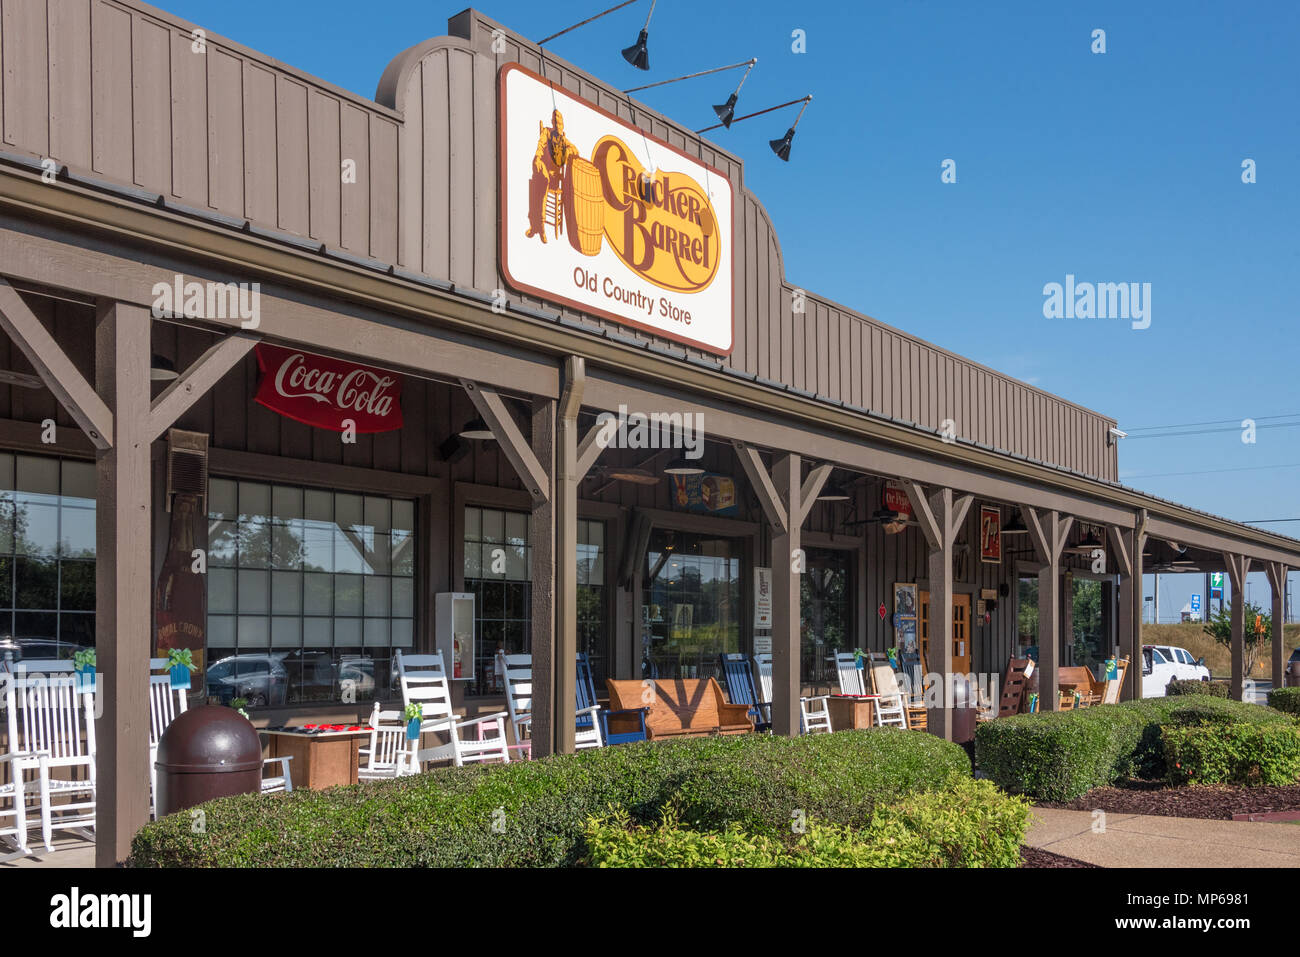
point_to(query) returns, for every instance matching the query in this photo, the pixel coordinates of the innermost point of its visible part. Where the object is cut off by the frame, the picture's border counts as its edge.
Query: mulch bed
(1036, 857)
(1213, 801)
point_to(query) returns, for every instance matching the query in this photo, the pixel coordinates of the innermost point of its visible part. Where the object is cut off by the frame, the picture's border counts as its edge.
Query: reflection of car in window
(261, 679)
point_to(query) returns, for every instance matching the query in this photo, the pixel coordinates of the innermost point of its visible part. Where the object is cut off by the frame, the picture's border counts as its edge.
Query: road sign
(1196, 603)
(1216, 594)
(1216, 579)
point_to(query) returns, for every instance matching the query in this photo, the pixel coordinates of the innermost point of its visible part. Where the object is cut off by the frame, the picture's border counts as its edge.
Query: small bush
(1219, 753)
(1060, 756)
(1186, 686)
(969, 824)
(533, 813)
(1285, 699)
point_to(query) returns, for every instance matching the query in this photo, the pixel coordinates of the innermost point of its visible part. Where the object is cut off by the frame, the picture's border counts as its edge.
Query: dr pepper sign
(327, 393)
(602, 217)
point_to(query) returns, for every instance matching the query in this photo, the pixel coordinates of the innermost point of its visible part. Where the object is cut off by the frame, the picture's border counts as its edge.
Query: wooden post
(1049, 533)
(1128, 627)
(1238, 568)
(566, 554)
(787, 565)
(542, 570)
(123, 581)
(941, 516)
(1277, 582)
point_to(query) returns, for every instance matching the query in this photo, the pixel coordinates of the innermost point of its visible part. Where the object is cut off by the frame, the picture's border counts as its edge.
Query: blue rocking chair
(740, 689)
(587, 699)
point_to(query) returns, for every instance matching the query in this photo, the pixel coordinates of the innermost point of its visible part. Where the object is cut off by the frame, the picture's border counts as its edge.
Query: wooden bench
(678, 707)
(1080, 679)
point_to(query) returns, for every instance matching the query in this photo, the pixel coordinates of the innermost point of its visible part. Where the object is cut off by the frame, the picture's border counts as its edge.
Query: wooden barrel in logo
(587, 222)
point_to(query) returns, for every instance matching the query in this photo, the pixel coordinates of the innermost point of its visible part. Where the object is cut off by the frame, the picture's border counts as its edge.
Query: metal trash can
(965, 708)
(207, 752)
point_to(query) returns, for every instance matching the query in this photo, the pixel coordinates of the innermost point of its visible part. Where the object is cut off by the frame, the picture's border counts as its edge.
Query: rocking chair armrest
(812, 697)
(282, 760)
(593, 711)
(470, 722)
(24, 755)
(606, 711)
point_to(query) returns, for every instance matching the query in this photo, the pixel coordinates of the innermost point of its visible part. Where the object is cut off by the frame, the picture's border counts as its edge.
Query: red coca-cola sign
(327, 393)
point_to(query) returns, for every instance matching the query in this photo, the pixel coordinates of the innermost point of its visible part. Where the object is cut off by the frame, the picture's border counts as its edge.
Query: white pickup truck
(1162, 664)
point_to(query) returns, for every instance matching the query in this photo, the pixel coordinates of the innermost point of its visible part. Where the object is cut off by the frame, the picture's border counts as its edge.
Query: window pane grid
(304, 580)
(47, 554)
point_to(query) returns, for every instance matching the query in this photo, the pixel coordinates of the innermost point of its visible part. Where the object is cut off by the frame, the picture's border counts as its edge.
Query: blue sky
(1115, 167)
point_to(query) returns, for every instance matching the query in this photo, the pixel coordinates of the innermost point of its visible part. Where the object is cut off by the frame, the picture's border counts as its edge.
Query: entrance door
(960, 632)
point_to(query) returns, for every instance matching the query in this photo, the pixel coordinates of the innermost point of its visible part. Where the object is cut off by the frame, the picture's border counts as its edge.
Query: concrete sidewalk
(1142, 840)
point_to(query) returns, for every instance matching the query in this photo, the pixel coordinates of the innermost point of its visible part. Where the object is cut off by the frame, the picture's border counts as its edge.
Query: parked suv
(1162, 664)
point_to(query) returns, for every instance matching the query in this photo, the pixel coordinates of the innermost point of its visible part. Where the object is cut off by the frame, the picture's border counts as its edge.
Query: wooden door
(961, 634)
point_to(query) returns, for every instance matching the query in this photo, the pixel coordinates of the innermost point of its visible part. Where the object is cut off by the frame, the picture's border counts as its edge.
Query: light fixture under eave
(680, 466)
(1016, 526)
(476, 429)
(833, 492)
(162, 369)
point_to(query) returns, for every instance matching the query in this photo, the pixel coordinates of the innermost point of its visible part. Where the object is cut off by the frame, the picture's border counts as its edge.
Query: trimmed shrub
(1285, 699)
(1059, 756)
(1185, 686)
(533, 813)
(1215, 753)
(969, 824)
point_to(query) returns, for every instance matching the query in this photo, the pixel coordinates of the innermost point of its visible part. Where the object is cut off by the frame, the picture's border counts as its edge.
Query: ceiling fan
(1175, 563)
(616, 473)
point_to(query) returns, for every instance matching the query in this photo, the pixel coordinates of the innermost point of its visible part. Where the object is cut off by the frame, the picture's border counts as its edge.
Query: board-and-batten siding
(115, 88)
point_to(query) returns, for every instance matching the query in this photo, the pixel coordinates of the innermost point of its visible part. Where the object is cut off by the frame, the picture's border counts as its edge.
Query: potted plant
(239, 704)
(859, 659)
(180, 662)
(893, 657)
(84, 663)
(414, 713)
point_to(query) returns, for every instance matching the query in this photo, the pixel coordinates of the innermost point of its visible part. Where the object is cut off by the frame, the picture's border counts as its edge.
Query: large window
(593, 612)
(47, 555)
(824, 610)
(693, 608)
(309, 592)
(497, 559)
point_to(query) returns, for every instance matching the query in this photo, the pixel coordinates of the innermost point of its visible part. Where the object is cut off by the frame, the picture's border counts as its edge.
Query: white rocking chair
(165, 703)
(814, 718)
(424, 681)
(51, 725)
(391, 754)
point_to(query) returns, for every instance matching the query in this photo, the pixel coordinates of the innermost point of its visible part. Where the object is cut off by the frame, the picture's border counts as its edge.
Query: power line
(1269, 521)
(1188, 425)
(1244, 468)
(1231, 428)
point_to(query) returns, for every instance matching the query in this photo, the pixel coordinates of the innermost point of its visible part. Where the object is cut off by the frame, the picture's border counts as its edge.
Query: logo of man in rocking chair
(554, 151)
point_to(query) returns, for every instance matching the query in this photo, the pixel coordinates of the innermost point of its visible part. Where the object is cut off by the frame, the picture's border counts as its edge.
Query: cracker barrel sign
(601, 217)
(328, 393)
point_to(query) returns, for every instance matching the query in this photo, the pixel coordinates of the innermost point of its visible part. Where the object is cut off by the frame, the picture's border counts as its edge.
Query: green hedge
(1059, 756)
(533, 813)
(1219, 753)
(1285, 699)
(968, 824)
(1186, 686)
